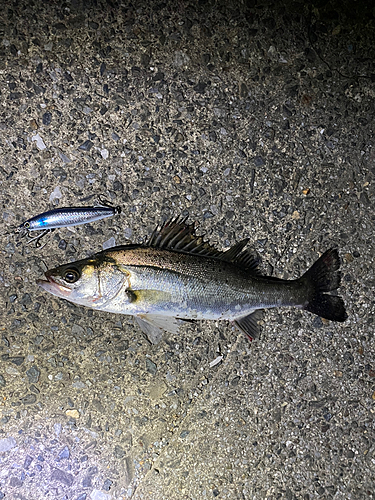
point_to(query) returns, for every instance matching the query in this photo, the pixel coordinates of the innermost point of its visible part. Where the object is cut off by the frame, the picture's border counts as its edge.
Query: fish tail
(324, 276)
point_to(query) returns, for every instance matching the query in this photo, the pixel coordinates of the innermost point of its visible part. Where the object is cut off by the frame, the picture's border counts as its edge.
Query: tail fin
(324, 276)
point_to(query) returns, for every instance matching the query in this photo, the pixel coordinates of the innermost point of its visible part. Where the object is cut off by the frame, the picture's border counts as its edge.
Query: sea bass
(178, 276)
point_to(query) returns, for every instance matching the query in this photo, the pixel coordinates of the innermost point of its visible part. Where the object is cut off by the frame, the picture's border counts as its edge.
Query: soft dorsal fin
(176, 234)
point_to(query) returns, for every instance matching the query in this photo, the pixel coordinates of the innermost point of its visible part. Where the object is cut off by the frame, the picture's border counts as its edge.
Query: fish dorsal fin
(232, 254)
(248, 261)
(176, 234)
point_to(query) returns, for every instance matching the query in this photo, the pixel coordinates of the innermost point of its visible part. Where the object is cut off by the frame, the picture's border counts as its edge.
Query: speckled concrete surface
(257, 121)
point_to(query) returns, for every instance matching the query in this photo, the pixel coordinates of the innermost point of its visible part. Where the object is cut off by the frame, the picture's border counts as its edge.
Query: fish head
(89, 282)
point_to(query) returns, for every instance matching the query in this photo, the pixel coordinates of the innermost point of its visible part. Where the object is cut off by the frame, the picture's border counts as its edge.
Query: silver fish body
(179, 276)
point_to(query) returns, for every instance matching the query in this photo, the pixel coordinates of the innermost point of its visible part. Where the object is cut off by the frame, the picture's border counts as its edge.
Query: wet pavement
(253, 120)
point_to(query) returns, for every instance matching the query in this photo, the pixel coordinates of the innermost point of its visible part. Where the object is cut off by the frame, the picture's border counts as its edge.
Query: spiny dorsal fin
(176, 234)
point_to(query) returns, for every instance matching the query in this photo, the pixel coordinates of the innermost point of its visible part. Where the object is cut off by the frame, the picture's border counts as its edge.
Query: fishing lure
(47, 222)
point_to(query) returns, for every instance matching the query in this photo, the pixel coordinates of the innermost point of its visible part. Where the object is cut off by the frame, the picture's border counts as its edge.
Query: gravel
(255, 121)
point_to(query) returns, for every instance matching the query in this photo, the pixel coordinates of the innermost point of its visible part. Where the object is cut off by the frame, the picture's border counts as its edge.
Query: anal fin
(249, 325)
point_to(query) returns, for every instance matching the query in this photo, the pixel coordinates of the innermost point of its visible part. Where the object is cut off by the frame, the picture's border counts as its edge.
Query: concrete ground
(255, 120)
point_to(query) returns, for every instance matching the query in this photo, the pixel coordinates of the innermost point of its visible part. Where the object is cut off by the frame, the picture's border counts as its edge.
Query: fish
(177, 276)
(65, 217)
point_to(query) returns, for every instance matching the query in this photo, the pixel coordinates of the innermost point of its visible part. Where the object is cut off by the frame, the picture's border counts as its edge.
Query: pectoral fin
(249, 325)
(153, 326)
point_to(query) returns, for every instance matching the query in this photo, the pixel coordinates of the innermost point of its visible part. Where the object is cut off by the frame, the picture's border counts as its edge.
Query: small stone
(72, 414)
(47, 118)
(62, 244)
(86, 146)
(156, 391)
(317, 322)
(180, 59)
(29, 399)
(11, 370)
(79, 385)
(2, 381)
(151, 366)
(107, 485)
(216, 361)
(16, 482)
(33, 124)
(64, 158)
(26, 299)
(118, 186)
(99, 495)
(62, 477)
(119, 452)
(17, 360)
(200, 87)
(258, 161)
(87, 482)
(306, 191)
(59, 173)
(39, 142)
(27, 462)
(348, 257)
(82, 496)
(64, 453)
(7, 444)
(33, 374)
(56, 194)
(184, 434)
(109, 243)
(9, 247)
(77, 330)
(295, 215)
(104, 153)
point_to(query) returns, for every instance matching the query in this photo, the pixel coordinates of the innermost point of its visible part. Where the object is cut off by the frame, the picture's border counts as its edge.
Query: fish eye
(26, 225)
(71, 275)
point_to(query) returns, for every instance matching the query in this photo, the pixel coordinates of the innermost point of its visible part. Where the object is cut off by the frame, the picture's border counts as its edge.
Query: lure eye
(71, 275)
(26, 225)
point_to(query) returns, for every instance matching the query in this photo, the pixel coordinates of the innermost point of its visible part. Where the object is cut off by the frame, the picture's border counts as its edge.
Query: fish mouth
(51, 286)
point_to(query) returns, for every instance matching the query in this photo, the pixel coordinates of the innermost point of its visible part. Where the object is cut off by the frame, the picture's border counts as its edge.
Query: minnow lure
(65, 217)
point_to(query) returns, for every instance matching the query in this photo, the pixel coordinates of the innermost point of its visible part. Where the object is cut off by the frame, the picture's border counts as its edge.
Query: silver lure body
(66, 217)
